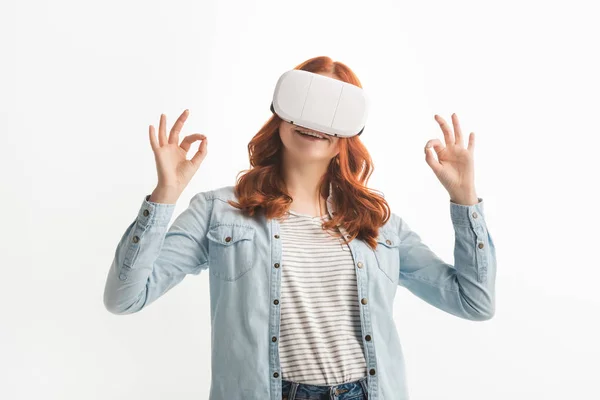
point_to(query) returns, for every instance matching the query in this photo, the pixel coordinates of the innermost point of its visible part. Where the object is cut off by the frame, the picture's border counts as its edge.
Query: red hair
(262, 189)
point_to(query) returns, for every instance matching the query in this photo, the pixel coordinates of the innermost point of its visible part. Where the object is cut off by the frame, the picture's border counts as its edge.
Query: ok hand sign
(454, 165)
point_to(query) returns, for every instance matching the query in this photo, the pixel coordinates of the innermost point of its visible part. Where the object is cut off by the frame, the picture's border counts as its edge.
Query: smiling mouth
(311, 134)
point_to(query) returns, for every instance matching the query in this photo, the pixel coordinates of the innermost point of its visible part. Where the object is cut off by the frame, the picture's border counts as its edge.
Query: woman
(303, 259)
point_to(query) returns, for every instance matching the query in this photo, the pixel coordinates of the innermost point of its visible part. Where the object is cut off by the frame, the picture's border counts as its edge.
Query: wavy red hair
(360, 210)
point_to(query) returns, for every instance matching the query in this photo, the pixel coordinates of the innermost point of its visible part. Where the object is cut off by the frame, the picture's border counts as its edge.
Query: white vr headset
(320, 103)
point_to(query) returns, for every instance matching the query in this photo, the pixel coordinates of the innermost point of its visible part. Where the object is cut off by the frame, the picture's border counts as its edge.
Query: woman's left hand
(454, 166)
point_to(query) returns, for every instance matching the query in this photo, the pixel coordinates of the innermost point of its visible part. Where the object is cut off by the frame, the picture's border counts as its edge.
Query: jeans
(356, 390)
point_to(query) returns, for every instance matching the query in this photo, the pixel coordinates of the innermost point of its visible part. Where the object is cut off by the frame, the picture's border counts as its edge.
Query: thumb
(200, 154)
(430, 159)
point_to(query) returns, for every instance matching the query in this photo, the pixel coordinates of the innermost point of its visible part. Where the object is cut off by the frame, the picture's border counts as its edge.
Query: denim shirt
(242, 256)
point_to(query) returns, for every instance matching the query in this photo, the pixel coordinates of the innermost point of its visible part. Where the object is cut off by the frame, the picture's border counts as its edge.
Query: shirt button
(136, 239)
(275, 374)
(480, 245)
(276, 236)
(368, 338)
(123, 277)
(372, 371)
(146, 212)
(474, 215)
(276, 265)
(274, 339)
(364, 300)
(388, 241)
(275, 301)
(228, 239)
(359, 265)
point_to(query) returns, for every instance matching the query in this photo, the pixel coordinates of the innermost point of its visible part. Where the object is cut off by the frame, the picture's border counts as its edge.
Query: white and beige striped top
(320, 339)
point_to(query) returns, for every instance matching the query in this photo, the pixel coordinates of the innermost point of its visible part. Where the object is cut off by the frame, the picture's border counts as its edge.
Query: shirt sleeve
(465, 289)
(149, 260)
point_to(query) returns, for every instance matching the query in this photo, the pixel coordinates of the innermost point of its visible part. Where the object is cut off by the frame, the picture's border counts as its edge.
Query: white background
(81, 82)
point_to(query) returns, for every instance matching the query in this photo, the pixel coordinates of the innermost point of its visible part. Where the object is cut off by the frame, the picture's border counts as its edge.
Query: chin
(305, 155)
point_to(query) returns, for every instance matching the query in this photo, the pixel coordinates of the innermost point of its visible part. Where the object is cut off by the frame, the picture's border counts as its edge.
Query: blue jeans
(356, 390)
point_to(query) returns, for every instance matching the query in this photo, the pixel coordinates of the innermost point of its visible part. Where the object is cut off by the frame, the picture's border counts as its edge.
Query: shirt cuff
(463, 215)
(154, 213)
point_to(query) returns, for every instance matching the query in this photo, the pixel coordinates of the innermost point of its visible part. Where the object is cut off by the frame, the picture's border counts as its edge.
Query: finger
(188, 140)
(471, 145)
(448, 137)
(457, 133)
(436, 144)
(153, 142)
(431, 160)
(162, 135)
(174, 135)
(200, 154)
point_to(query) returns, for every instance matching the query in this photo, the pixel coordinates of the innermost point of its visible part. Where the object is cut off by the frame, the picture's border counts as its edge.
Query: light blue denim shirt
(243, 254)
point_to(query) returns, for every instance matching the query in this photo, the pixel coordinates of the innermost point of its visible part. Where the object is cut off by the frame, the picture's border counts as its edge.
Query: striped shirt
(320, 340)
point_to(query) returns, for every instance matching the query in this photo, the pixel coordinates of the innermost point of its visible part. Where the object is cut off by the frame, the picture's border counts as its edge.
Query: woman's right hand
(174, 170)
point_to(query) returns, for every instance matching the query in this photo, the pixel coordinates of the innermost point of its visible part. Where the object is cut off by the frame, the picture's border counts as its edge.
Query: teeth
(310, 134)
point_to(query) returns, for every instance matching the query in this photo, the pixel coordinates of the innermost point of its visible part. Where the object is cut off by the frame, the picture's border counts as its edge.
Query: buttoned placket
(360, 268)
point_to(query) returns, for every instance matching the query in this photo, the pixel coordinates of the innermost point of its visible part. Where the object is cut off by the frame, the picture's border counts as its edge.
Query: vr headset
(320, 103)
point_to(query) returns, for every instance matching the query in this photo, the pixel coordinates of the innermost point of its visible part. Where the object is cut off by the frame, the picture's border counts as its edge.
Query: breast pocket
(230, 250)
(388, 256)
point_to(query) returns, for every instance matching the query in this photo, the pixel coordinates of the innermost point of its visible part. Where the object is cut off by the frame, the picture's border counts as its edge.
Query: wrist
(467, 198)
(164, 195)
